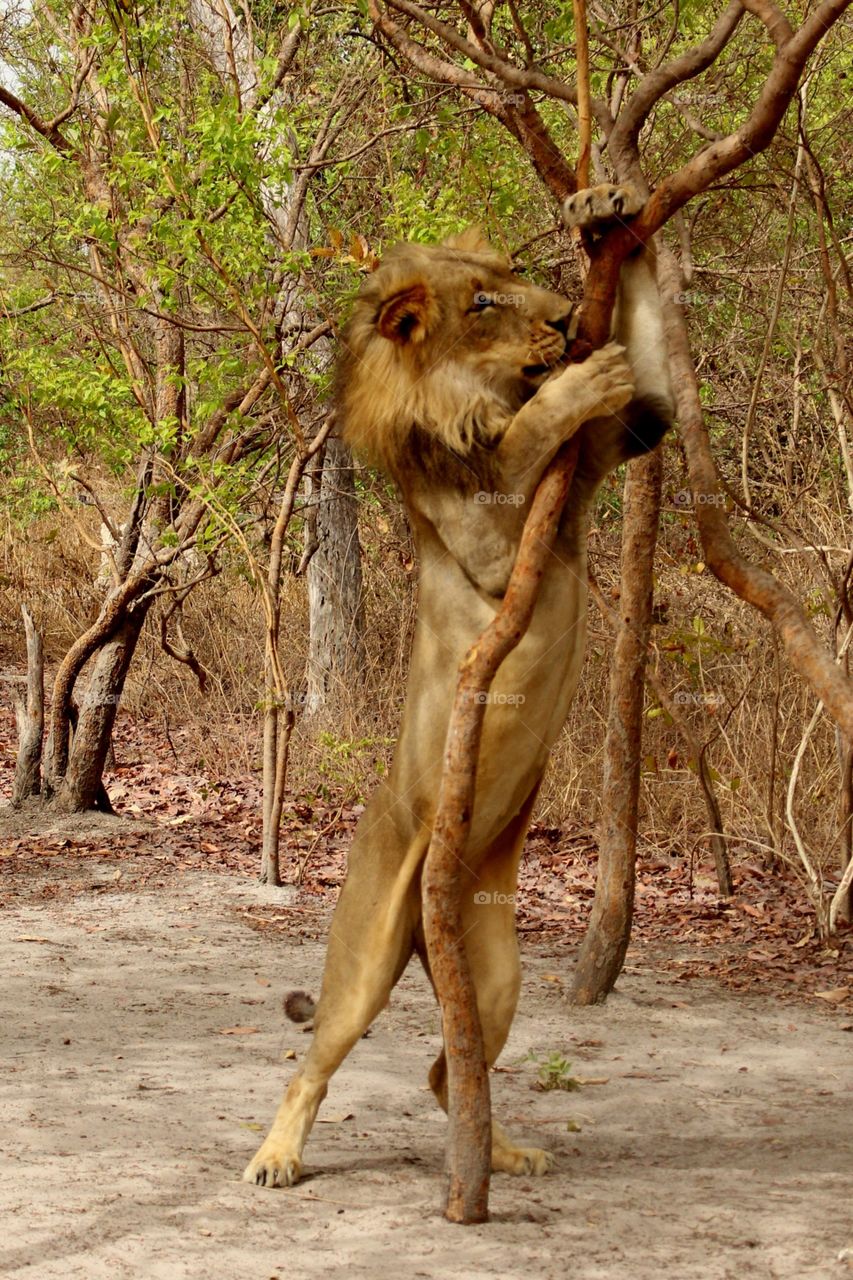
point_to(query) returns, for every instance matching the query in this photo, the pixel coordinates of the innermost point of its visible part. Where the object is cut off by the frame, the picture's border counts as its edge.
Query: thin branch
(47, 129)
(497, 66)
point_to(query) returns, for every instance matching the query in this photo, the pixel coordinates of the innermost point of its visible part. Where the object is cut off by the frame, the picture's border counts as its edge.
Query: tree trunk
(335, 593)
(468, 1099)
(82, 787)
(844, 913)
(29, 715)
(603, 950)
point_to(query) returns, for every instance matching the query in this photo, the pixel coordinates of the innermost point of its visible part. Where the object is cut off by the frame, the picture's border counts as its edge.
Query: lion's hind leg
(367, 952)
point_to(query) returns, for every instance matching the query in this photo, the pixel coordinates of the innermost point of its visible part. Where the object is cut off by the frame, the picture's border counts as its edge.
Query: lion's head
(445, 344)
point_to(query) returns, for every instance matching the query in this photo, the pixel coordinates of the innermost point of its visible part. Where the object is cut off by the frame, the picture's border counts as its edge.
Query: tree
(151, 214)
(507, 75)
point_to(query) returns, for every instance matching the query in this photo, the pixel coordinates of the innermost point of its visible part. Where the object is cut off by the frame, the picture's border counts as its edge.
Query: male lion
(453, 379)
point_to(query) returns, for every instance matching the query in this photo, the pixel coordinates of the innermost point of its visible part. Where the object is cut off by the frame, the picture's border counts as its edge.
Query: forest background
(192, 195)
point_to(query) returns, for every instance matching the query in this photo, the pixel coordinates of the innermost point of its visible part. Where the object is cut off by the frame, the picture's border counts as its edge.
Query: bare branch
(497, 66)
(660, 81)
(754, 134)
(33, 306)
(47, 129)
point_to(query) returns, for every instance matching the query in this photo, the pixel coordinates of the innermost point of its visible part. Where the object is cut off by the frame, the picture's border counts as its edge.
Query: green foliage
(345, 762)
(554, 1072)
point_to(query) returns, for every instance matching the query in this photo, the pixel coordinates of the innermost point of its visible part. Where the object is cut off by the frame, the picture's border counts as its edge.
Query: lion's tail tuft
(299, 1006)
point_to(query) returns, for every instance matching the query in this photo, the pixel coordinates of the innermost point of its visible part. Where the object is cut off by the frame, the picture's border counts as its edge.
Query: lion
(454, 379)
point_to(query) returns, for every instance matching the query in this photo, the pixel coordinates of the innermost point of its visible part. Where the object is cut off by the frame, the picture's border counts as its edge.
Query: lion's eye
(481, 302)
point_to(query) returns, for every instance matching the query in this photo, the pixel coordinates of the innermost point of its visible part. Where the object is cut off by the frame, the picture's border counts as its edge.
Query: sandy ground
(143, 1057)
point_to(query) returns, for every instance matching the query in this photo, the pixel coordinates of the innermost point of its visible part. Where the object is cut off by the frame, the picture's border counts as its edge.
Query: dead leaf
(551, 977)
(238, 1031)
(288, 1055)
(835, 996)
(337, 1119)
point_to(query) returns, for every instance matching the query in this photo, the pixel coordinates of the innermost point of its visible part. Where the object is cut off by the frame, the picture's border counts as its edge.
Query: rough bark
(82, 787)
(603, 950)
(279, 714)
(29, 715)
(335, 589)
(697, 749)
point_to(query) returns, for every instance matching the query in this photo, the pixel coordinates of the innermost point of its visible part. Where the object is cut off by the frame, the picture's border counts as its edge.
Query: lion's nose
(561, 323)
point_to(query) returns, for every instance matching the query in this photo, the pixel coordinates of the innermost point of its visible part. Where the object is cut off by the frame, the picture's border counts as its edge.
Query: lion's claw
(601, 204)
(273, 1169)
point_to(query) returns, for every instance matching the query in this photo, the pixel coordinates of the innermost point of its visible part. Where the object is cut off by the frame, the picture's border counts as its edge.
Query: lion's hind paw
(273, 1168)
(530, 1162)
(601, 205)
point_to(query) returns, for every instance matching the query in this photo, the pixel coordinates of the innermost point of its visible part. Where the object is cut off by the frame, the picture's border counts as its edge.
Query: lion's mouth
(536, 372)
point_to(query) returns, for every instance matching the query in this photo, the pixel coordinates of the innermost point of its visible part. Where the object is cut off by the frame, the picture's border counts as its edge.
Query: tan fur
(453, 379)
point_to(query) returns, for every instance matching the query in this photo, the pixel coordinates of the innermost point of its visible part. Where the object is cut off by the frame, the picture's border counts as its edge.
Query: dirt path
(142, 1060)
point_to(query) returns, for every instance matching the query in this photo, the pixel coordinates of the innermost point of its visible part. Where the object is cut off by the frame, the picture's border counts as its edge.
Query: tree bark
(279, 712)
(335, 588)
(806, 655)
(468, 1105)
(29, 715)
(606, 942)
(82, 787)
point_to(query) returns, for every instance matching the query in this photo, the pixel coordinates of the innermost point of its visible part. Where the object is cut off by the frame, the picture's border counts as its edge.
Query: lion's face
(446, 340)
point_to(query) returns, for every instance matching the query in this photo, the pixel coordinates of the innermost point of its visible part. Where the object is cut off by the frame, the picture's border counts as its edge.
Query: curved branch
(660, 81)
(47, 129)
(754, 135)
(522, 121)
(491, 62)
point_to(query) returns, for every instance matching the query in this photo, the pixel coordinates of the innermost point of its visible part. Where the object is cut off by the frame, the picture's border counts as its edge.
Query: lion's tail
(299, 1006)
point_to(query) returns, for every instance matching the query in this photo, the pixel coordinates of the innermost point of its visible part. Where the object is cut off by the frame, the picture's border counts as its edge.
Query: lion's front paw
(274, 1167)
(606, 379)
(530, 1162)
(603, 204)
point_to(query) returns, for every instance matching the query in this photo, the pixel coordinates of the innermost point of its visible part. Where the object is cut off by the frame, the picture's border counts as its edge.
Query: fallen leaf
(237, 1031)
(288, 1055)
(338, 1119)
(835, 996)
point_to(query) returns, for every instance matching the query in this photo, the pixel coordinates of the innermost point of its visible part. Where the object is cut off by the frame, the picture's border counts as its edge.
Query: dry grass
(712, 653)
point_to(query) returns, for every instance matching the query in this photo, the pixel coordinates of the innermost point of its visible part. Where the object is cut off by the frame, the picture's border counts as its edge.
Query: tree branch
(754, 135)
(48, 130)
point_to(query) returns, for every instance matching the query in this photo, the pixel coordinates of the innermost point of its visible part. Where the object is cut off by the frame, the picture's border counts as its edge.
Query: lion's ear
(472, 240)
(409, 314)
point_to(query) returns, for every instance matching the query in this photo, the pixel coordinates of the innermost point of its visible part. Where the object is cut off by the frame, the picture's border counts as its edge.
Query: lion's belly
(527, 704)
